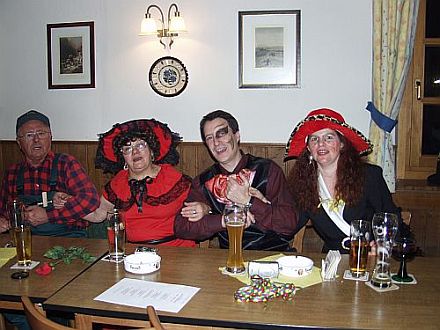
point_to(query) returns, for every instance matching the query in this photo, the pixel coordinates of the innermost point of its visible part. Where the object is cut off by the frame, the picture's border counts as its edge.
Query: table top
(38, 287)
(338, 304)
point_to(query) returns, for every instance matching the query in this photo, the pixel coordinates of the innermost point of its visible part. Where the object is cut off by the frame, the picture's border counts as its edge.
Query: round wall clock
(168, 76)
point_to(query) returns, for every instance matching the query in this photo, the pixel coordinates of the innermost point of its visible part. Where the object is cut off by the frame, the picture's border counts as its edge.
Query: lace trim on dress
(139, 194)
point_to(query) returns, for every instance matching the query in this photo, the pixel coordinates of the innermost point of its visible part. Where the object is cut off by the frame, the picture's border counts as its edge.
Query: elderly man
(42, 173)
(255, 182)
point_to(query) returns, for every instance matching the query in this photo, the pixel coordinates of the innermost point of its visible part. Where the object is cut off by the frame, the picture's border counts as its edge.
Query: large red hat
(107, 154)
(320, 119)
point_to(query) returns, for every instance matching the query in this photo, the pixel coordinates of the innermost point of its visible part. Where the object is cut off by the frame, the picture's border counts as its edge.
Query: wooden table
(337, 304)
(39, 288)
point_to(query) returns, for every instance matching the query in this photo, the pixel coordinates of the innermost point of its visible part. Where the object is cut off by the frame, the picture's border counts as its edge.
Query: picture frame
(71, 55)
(269, 49)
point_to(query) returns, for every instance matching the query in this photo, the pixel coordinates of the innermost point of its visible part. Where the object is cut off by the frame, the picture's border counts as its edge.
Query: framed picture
(269, 46)
(71, 55)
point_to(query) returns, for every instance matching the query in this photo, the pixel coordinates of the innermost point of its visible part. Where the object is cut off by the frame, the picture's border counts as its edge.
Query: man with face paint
(257, 183)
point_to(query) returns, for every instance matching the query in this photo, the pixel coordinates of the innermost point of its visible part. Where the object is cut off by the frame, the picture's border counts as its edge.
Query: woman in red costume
(147, 190)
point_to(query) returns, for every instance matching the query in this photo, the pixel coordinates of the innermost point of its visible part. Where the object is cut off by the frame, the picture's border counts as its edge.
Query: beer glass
(235, 219)
(20, 232)
(359, 244)
(115, 236)
(385, 226)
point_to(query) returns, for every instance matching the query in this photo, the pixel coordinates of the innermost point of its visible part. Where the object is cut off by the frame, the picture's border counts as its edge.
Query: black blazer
(376, 198)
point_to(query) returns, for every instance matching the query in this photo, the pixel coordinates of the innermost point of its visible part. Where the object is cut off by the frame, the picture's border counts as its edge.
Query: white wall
(335, 68)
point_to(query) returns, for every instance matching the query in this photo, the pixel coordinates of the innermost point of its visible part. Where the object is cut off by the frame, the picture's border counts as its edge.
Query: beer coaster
(349, 276)
(107, 258)
(28, 267)
(225, 272)
(414, 281)
(377, 289)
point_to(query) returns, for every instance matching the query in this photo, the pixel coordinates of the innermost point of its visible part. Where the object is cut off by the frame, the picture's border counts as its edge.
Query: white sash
(335, 213)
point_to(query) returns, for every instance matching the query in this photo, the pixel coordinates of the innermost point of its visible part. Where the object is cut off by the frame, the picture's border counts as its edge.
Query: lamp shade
(148, 26)
(177, 24)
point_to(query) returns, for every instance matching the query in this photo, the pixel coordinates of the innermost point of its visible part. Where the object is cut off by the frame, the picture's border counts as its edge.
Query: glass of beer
(20, 232)
(359, 245)
(235, 220)
(385, 226)
(115, 236)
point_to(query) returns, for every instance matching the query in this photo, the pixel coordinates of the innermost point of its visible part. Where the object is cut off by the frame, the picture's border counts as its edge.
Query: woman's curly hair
(125, 139)
(303, 178)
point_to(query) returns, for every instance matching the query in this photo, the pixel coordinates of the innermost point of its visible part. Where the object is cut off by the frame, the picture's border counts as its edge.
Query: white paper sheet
(138, 293)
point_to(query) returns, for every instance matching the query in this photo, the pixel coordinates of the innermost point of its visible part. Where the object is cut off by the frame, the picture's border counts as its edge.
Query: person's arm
(100, 214)
(380, 197)
(280, 215)
(4, 223)
(85, 199)
(206, 226)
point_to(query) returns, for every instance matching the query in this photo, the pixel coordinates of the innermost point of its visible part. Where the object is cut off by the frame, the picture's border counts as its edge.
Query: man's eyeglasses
(327, 138)
(29, 136)
(220, 133)
(142, 145)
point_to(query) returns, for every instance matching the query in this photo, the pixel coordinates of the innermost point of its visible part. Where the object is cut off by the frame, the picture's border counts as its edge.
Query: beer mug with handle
(359, 245)
(20, 232)
(385, 226)
(235, 219)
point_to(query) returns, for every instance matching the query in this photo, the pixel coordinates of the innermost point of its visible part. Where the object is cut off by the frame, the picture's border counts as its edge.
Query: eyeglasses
(142, 145)
(220, 133)
(29, 136)
(327, 138)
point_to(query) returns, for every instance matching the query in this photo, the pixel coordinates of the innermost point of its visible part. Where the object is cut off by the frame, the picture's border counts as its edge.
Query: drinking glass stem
(402, 270)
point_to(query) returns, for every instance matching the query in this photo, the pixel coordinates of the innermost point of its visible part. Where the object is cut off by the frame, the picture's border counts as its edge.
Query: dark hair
(232, 122)
(124, 139)
(303, 178)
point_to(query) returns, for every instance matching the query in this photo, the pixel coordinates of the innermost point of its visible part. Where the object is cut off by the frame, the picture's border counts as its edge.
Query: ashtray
(295, 266)
(142, 263)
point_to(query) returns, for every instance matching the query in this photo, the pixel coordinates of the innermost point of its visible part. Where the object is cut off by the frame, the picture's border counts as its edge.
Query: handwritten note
(138, 293)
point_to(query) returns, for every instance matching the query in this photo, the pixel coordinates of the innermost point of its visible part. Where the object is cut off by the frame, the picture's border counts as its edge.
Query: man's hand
(4, 224)
(194, 211)
(36, 215)
(59, 199)
(238, 192)
(254, 192)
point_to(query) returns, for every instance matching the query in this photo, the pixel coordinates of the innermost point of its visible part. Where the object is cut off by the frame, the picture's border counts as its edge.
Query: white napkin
(330, 265)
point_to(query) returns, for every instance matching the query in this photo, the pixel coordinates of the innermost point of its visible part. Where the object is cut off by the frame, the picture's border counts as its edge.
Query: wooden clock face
(168, 76)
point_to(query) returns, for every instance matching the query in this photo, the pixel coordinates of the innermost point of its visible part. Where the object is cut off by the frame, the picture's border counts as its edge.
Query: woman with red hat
(147, 190)
(331, 183)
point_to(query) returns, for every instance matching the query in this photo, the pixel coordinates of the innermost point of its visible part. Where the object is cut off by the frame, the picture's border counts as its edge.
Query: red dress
(161, 202)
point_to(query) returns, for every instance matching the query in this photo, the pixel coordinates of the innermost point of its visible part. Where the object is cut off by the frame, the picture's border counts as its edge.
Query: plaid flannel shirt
(71, 179)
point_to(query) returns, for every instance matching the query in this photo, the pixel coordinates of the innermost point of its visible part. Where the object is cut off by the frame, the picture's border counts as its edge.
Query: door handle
(418, 88)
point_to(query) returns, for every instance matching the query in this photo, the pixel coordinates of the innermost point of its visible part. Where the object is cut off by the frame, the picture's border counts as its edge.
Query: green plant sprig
(60, 253)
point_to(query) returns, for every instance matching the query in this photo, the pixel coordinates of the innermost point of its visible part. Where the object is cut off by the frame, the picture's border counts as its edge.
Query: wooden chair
(297, 241)
(154, 319)
(406, 217)
(36, 319)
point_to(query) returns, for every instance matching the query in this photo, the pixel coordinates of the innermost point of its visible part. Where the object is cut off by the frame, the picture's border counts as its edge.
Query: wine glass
(404, 250)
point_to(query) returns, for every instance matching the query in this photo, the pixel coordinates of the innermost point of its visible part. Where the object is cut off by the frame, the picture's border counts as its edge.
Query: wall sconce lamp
(151, 26)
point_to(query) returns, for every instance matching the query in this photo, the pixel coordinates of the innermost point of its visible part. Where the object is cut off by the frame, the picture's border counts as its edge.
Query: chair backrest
(298, 240)
(37, 320)
(406, 217)
(154, 319)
